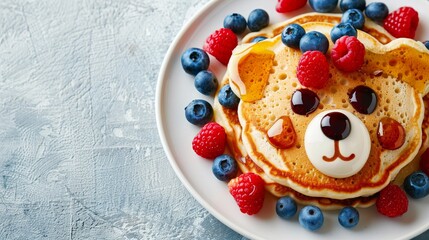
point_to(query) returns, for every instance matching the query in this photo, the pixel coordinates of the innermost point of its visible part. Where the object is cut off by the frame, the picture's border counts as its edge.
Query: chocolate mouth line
(337, 154)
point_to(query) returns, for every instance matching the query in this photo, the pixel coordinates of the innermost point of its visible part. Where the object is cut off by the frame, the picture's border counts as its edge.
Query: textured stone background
(80, 156)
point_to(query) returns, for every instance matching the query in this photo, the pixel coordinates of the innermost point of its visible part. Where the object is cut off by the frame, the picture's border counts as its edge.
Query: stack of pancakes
(396, 69)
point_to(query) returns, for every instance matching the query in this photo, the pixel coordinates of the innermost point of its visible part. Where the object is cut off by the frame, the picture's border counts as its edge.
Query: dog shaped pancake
(399, 87)
(229, 119)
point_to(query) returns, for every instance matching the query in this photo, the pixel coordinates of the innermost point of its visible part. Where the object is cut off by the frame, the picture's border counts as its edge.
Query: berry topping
(304, 101)
(195, 60)
(424, 162)
(199, 112)
(336, 126)
(220, 44)
(210, 141)
(313, 70)
(311, 218)
(377, 11)
(342, 29)
(402, 22)
(248, 190)
(224, 167)
(292, 34)
(286, 207)
(392, 201)
(390, 133)
(257, 20)
(323, 6)
(205, 82)
(348, 54)
(416, 185)
(236, 22)
(349, 4)
(284, 6)
(348, 217)
(314, 41)
(227, 97)
(355, 17)
(363, 99)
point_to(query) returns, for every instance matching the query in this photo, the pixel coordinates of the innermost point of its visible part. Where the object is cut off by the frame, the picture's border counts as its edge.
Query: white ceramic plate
(175, 90)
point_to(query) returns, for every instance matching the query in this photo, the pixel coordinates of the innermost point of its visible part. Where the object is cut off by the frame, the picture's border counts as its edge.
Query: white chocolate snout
(337, 158)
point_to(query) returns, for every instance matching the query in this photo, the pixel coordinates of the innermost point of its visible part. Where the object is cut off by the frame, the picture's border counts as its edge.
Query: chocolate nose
(336, 126)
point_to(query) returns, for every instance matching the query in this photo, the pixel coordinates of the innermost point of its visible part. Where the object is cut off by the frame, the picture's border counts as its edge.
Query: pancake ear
(249, 70)
(404, 59)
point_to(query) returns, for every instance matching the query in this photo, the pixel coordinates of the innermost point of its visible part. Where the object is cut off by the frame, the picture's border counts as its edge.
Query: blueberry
(227, 97)
(355, 17)
(323, 6)
(311, 217)
(205, 82)
(257, 20)
(314, 41)
(377, 11)
(258, 39)
(426, 43)
(342, 29)
(195, 60)
(349, 4)
(348, 217)
(199, 112)
(416, 185)
(291, 35)
(236, 22)
(286, 207)
(224, 167)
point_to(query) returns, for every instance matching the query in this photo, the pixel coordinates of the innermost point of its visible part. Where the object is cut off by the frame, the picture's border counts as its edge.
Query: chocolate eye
(363, 99)
(336, 126)
(304, 101)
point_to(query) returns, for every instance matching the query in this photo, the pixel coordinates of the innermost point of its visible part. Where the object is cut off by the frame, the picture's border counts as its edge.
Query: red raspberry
(348, 54)
(220, 44)
(313, 70)
(248, 190)
(284, 6)
(402, 22)
(424, 162)
(392, 201)
(210, 141)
